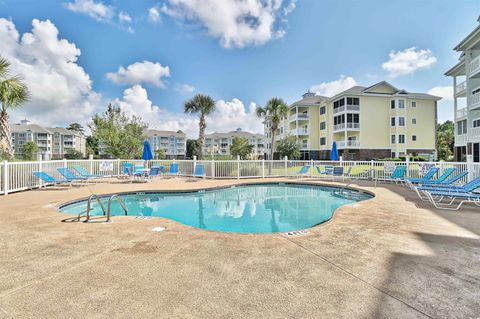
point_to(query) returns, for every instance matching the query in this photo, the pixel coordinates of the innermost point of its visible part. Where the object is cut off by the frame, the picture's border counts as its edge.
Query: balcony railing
(300, 131)
(348, 126)
(461, 139)
(474, 66)
(299, 116)
(460, 88)
(353, 107)
(475, 132)
(348, 144)
(462, 112)
(339, 109)
(474, 101)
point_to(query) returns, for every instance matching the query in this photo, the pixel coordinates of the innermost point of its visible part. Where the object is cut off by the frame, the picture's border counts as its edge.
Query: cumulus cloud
(235, 23)
(97, 10)
(184, 88)
(445, 92)
(334, 87)
(124, 17)
(144, 72)
(61, 90)
(227, 116)
(408, 61)
(153, 15)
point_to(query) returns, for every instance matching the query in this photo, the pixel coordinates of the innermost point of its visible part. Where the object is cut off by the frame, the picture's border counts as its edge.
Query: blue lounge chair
(126, 167)
(304, 170)
(161, 168)
(173, 169)
(436, 198)
(82, 171)
(328, 170)
(434, 189)
(68, 174)
(428, 176)
(49, 179)
(450, 181)
(199, 171)
(398, 174)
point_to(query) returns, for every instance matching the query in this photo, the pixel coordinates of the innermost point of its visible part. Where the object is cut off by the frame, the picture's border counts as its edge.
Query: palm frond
(4, 67)
(13, 93)
(200, 104)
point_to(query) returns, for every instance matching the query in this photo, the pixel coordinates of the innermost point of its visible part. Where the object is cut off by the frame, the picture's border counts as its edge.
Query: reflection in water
(251, 208)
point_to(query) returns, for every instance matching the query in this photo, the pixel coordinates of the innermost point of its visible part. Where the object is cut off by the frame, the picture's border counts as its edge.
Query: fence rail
(17, 176)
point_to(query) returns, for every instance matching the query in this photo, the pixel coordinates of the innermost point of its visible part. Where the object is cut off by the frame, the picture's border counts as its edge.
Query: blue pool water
(261, 208)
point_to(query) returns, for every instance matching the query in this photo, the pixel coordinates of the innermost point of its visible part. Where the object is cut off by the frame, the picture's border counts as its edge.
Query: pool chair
(398, 174)
(304, 170)
(437, 199)
(441, 180)
(143, 177)
(448, 182)
(328, 170)
(173, 170)
(466, 188)
(428, 176)
(82, 171)
(68, 174)
(199, 172)
(161, 169)
(49, 179)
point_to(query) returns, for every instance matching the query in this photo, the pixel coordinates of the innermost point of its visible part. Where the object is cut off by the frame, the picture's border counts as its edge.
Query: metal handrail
(110, 203)
(89, 207)
(363, 174)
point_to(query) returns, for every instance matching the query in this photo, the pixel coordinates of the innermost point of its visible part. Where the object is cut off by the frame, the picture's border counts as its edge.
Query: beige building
(466, 86)
(219, 143)
(174, 143)
(52, 143)
(379, 121)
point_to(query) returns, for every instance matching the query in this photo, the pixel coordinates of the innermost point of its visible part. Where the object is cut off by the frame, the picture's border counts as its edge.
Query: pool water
(261, 208)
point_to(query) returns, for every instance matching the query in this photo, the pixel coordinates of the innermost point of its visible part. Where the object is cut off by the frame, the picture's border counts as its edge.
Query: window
(393, 139)
(414, 103)
(414, 138)
(462, 127)
(323, 140)
(339, 119)
(392, 121)
(323, 125)
(401, 104)
(322, 110)
(392, 104)
(353, 101)
(414, 121)
(401, 139)
(476, 123)
(401, 121)
(353, 118)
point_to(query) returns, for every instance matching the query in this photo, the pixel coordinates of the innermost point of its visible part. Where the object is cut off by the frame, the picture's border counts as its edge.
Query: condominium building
(219, 143)
(174, 143)
(52, 143)
(379, 121)
(466, 87)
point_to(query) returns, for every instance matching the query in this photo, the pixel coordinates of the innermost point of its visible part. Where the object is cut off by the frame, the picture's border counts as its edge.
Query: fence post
(407, 162)
(263, 168)
(5, 177)
(213, 168)
(40, 169)
(372, 169)
(118, 167)
(470, 168)
(64, 162)
(194, 163)
(286, 165)
(311, 167)
(238, 166)
(90, 162)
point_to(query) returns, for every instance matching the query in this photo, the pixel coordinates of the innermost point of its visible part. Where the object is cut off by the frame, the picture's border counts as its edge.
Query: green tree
(160, 154)
(119, 135)
(289, 146)
(76, 127)
(92, 146)
(202, 105)
(13, 93)
(30, 150)
(240, 147)
(445, 140)
(274, 111)
(73, 154)
(192, 148)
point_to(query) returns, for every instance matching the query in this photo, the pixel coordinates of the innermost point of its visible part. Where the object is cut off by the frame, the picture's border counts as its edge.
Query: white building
(174, 143)
(219, 143)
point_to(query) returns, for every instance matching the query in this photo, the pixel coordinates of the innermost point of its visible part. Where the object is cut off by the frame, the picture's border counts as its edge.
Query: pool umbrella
(334, 153)
(147, 151)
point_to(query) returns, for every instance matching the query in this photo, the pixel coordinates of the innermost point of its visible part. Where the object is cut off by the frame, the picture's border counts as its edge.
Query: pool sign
(106, 166)
(424, 168)
(389, 167)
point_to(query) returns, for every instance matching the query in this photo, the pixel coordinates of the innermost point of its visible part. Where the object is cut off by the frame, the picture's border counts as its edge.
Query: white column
(263, 168)
(5, 177)
(286, 165)
(238, 166)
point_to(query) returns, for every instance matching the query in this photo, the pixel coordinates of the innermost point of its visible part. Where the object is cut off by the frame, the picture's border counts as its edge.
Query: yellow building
(379, 121)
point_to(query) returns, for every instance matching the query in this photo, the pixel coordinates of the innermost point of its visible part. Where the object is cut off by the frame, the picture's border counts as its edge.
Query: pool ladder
(371, 172)
(107, 212)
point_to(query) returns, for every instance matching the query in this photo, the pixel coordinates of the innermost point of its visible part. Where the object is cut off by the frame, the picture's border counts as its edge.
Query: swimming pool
(254, 208)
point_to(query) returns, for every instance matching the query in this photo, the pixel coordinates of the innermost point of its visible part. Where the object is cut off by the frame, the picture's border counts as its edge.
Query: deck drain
(143, 217)
(297, 233)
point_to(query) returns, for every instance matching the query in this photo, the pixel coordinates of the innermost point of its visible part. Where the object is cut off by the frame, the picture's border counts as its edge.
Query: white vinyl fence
(17, 176)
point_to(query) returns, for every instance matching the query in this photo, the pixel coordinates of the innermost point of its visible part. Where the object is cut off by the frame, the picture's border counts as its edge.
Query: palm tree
(13, 93)
(202, 105)
(274, 111)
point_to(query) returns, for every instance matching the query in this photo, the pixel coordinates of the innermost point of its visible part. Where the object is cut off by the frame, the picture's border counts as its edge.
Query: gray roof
(151, 132)
(34, 128)
(63, 131)
(233, 134)
(310, 100)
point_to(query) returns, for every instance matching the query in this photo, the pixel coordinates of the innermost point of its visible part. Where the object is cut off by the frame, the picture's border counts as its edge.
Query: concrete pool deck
(388, 257)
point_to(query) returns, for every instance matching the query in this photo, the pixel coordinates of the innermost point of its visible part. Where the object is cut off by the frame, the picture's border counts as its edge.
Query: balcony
(340, 109)
(474, 101)
(346, 126)
(475, 133)
(461, 139)
(461, 89)
(299, 117)
(348, 144)
(474, 68)
(353, 108)
(304, 146)
(462, 112)
(300, 131)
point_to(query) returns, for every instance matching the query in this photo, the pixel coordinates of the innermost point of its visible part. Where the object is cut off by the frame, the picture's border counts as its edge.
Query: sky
(148, 57)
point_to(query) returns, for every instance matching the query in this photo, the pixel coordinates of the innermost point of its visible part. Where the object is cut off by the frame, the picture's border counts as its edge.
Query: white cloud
(124, 17)
(153, 15)
(236, 23)
(445, 92)
(334, 87)
(97, 10)
(141, 72)
(228, 114)
(61, 90)
(408, 61)
(184, 88)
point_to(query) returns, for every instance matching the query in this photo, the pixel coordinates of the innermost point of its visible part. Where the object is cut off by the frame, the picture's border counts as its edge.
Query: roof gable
(382, 87)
